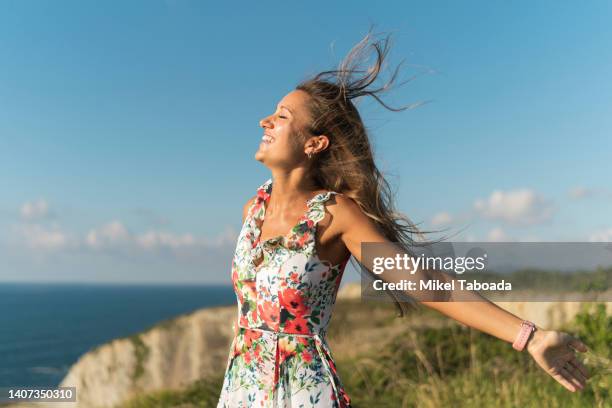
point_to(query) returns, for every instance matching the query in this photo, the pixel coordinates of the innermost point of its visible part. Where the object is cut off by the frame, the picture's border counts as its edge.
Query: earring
(309, 154)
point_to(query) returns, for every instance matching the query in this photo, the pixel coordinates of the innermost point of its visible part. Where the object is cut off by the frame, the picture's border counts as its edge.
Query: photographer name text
(438, 285)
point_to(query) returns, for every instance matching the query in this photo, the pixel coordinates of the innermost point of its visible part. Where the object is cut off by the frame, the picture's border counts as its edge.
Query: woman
(325, 197)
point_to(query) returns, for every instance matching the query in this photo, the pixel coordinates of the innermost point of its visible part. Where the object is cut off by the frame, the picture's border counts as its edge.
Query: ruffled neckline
(264, 191)
(290, 240)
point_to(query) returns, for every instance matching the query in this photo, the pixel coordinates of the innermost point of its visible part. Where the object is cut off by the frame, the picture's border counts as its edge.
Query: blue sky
(127, 129)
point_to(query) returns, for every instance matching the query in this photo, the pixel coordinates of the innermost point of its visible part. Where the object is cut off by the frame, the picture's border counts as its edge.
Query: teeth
(267, 139)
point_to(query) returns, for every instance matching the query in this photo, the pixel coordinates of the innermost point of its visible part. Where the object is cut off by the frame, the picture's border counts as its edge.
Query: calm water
(44, 328)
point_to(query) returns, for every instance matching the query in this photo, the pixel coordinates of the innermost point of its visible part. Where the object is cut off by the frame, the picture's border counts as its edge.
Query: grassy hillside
(426, 360)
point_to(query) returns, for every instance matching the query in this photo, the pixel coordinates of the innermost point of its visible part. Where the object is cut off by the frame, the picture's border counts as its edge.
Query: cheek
(291, 141)
(288, 147)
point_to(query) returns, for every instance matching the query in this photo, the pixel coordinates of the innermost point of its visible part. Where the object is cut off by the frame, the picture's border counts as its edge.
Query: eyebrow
(283, 106)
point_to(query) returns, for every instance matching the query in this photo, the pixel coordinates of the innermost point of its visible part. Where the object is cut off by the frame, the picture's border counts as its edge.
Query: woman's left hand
(555, 352)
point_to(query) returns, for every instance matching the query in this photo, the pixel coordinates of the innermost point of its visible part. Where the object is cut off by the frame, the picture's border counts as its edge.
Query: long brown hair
(347, 165)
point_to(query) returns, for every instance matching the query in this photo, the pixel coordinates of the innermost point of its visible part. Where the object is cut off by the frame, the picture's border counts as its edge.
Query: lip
(267, 135)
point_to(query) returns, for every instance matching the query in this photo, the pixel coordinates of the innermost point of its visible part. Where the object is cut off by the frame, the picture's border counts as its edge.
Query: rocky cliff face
(171, 354)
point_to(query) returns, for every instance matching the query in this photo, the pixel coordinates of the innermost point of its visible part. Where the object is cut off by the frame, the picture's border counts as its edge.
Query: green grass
(202, 393)
(448, 366)
(460, 367)
(141, 352)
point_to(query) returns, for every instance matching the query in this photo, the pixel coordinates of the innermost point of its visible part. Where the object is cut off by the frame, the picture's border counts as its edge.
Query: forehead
(295, 101)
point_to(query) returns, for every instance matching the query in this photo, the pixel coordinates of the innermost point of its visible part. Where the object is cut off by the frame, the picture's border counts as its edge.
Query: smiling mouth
(267, 139)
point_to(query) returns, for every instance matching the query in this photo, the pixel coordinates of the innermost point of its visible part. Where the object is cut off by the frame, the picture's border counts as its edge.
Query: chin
(259, 156)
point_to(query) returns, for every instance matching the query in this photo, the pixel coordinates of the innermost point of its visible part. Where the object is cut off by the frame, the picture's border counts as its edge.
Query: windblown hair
(347, 165)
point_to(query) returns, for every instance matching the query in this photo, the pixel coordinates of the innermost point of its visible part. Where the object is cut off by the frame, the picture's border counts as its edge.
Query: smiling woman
(286, 273)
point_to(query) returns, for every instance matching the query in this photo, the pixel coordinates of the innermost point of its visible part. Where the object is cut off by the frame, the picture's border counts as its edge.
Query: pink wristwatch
(527, 328)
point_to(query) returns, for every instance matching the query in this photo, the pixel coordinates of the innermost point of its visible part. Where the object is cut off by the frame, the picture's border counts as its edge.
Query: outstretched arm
(553, 351)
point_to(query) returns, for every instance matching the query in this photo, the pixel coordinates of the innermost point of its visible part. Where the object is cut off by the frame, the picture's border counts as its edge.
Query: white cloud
(498, 235)
(112, 238)
(522, 206)
(442, 218)
(601, 236)
(35, 210)
(112, 234)
(156, 239)
(580, 192)
(115, 236)
(38, 237)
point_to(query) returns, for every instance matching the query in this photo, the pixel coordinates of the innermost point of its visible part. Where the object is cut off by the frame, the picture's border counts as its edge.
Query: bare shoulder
(353, 225)
(247, 205)
(345, 212)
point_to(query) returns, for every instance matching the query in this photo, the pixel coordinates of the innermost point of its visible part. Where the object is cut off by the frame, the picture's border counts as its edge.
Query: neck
(290, 188)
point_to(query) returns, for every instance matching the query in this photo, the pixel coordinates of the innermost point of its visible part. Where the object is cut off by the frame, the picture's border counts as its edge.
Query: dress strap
(263, 192)
(316, 206)
(265, 188)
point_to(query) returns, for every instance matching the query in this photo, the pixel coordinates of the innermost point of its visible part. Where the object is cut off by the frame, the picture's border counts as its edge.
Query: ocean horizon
(45, 327)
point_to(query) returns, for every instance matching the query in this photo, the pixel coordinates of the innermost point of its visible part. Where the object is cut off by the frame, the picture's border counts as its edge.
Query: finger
(577, 344)
(571, 379)
(576, 374)
(562, 377)
(561, 380)
(576, 363)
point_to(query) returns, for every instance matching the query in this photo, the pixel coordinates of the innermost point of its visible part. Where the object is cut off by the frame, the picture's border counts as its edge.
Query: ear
(317, 144)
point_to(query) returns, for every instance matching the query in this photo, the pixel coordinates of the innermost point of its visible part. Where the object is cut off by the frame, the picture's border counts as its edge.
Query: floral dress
(279, 356)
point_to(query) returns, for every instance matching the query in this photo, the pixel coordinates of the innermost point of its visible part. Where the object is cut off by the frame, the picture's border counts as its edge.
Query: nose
(265, 122)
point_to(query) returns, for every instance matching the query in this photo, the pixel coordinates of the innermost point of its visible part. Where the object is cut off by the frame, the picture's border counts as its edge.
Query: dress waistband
(314, 335)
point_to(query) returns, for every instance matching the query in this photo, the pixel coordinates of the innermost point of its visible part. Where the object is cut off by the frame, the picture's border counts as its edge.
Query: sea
(45, 328)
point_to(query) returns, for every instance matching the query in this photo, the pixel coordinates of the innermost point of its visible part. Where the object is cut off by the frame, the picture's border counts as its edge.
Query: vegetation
(457, 366)
(141, 352)
(531, 279)
(439, 363)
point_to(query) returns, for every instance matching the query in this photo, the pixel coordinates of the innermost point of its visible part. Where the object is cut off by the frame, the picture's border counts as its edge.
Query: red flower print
(244, 322)
(306, 356)
(249, 289)
(270, 313)
(297, 326)
(262, 194)
(310, 223)
(254, 315)
(303, 239)
(247, 357)
(291, 299)
(250, 335)
(295, 277)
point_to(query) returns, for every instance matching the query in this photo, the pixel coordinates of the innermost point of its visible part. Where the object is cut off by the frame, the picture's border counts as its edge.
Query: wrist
(523, 335)
(534, 340)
